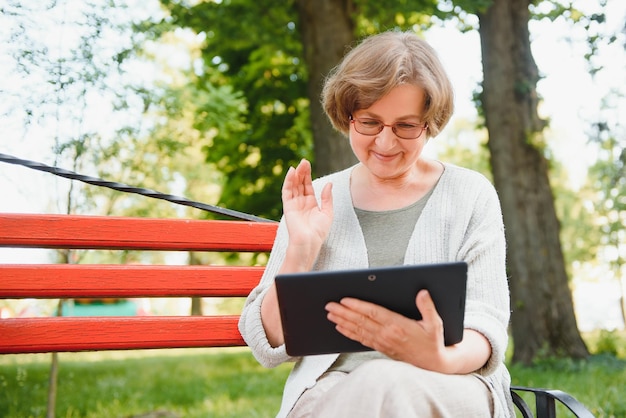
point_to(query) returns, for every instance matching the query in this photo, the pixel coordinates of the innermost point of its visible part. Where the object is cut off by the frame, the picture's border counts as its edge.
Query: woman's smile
(385, 156)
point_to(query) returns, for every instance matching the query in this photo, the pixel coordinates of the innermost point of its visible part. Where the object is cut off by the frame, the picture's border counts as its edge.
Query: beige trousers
(388, 389)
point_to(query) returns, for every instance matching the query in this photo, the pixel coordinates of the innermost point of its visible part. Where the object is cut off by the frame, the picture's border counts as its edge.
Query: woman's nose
(386, 139)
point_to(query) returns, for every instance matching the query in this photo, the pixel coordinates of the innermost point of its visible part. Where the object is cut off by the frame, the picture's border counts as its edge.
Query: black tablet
(303, 296)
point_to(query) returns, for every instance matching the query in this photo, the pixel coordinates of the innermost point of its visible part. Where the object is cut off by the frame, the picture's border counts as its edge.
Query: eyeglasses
(404, 130)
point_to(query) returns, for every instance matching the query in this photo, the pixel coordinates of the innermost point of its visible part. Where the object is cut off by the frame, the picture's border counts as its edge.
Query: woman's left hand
(420, 343)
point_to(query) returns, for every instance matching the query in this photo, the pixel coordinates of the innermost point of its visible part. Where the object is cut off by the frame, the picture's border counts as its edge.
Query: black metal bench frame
(546, 401)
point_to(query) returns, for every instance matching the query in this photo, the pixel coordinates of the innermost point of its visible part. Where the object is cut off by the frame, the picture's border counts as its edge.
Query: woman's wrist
(299, 258)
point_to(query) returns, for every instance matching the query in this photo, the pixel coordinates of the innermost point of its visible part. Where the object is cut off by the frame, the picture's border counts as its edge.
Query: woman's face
(385, 155)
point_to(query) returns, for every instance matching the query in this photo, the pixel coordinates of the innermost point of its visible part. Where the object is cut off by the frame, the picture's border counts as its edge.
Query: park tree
(322, 49)
(543, 321)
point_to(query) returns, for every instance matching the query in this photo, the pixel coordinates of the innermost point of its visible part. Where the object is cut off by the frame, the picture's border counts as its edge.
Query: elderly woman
(389, 95)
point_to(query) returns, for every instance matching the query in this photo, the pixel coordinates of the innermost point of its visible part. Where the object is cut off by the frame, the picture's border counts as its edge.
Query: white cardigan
(462, 221)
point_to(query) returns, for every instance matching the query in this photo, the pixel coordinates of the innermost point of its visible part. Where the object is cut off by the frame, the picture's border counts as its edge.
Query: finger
(303, 170)
(304, 167)
(288, 184)
(426, 306)
(343, 316)
(351, 324)
(359, 312)
(372, 325)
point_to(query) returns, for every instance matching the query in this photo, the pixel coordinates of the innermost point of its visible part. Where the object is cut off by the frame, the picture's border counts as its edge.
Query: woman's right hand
(307, 222)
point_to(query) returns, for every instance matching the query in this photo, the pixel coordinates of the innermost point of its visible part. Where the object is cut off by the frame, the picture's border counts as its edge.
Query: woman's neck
(375, 194)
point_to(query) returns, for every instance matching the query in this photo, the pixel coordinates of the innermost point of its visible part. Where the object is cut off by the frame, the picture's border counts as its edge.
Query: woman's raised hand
(307, 221)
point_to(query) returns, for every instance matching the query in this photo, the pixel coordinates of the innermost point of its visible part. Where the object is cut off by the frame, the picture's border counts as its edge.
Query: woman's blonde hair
(376, 66)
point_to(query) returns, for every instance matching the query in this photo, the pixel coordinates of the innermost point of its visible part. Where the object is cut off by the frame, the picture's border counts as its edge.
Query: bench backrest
(47, 281)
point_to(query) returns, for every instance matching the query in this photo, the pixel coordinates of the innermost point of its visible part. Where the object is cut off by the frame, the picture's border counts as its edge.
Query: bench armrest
(545, 403)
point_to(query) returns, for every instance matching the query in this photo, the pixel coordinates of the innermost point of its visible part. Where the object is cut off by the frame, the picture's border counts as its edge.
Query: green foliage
(607, 343)
(592, 23)
(579, 235)
(553, 10)
(264, 63)
(465, 146)
(609, 181)
(188, 118)
(471, 6)
(377, 16)
(607, 187)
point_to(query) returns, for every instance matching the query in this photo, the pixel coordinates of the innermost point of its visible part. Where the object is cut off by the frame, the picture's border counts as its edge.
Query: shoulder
(463, 174)
(460, 177)
(467, 188)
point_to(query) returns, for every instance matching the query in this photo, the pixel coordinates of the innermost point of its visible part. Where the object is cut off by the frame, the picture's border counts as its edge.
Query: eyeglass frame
(393, 127)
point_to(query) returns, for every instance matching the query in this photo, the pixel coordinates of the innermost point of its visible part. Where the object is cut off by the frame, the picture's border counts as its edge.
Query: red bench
(45, 281)
(65, 281)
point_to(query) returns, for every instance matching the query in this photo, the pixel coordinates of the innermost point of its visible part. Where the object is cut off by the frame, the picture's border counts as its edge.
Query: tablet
(303, 296)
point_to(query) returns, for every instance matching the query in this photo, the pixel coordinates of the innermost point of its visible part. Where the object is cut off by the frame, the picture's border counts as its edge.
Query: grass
(199, 384)
(230, 383)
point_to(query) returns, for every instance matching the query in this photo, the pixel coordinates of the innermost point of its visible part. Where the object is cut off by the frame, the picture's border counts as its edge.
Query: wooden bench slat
(42, 335)
(108, 232)
(88, 280)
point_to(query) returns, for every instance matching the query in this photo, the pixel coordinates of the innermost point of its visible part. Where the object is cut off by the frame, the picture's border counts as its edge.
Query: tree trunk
(543, 320)
(327, 31)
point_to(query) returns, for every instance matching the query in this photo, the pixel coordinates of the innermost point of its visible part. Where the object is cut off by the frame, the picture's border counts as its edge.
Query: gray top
(387, 233)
